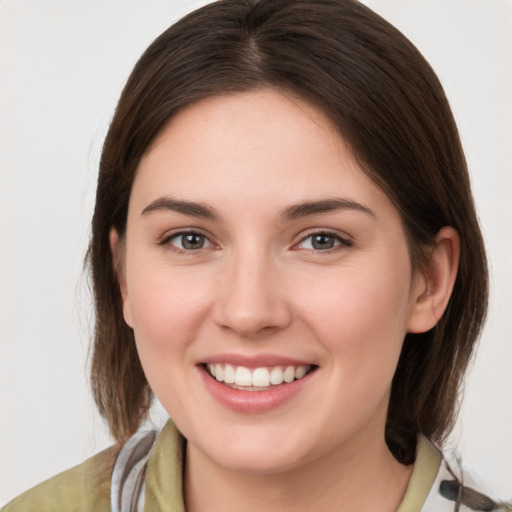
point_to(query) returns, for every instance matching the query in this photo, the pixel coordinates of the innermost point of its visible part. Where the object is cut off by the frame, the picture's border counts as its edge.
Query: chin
(258, 461)
(257, 452)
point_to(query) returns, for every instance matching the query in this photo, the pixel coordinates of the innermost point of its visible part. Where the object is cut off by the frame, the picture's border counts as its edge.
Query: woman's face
(256, 248)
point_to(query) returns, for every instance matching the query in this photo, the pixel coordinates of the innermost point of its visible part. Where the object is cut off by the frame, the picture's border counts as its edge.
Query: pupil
(193, 241)
(323, 242)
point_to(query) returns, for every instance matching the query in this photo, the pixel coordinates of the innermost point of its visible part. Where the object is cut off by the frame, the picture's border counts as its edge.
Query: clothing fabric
(146, 475)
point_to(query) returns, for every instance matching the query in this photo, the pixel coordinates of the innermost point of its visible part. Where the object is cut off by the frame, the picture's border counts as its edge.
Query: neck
(362, 477)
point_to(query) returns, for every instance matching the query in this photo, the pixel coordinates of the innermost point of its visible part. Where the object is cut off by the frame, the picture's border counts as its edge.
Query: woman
(283, 225)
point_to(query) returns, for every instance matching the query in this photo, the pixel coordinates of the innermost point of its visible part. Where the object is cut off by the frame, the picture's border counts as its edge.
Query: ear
(117, 248)
(432, 290)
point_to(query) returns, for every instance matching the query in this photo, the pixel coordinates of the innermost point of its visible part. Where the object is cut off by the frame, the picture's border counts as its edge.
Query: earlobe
(117, 249)
(432, 290)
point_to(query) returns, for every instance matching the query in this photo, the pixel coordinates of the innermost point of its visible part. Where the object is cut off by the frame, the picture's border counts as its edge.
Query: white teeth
(276, 376)
(229, 374)
(243, 376)
(289, 374)
(219, 372)
(259, 377)
(301, 371)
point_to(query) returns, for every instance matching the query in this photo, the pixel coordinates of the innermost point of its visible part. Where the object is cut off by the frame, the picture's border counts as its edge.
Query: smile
(256, 379)
(257, 387)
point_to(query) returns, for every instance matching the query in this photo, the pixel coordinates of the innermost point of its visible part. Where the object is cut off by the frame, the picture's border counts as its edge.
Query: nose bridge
(251, 300)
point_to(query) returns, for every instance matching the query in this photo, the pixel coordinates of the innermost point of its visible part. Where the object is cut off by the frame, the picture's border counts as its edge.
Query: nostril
(251, 307)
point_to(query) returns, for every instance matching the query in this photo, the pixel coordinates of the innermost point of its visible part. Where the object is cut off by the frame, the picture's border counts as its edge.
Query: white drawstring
(128, 482)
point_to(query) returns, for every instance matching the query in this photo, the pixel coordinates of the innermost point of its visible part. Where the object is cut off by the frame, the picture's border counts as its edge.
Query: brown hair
(388, 105)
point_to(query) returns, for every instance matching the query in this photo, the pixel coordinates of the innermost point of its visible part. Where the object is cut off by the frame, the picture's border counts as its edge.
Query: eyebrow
(292, 212)
(185, 207)
(306, 208)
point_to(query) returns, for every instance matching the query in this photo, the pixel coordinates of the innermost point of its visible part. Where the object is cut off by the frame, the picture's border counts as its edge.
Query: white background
(62, 66)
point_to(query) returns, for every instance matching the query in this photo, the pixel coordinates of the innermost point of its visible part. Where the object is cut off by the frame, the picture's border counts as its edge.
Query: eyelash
(339, 241)
(181, 234)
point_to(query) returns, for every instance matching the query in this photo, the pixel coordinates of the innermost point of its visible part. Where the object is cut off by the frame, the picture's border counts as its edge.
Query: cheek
(360, 317)
(167, 310)
(167, 314)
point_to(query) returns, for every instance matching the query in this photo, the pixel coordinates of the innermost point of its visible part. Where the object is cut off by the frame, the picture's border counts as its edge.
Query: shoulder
(85, 487)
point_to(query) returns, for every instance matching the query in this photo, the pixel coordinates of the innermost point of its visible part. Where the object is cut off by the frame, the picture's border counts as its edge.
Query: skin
(259, 286)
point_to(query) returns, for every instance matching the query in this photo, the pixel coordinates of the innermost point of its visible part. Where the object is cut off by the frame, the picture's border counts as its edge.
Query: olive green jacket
(87, 487)
(96, 484)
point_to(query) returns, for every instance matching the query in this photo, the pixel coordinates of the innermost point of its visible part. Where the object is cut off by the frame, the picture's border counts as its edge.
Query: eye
(189, 241)
(322, 242)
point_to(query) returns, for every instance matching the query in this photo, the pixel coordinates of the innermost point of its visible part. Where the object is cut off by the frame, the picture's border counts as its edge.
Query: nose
(252, 301)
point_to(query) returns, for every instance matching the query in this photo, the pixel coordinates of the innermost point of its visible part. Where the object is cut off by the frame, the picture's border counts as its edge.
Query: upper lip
(254, 361)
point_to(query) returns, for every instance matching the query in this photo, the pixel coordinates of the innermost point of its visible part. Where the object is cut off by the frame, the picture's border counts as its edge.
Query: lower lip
(253, 401)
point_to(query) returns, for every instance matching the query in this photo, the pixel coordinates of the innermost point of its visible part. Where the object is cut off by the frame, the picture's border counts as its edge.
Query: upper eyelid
(165, 241)
(325, 231)
(305, 234)
(184, 231)
(343, 241)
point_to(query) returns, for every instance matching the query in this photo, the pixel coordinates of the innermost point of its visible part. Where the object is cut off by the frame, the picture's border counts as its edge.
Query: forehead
(246, 119)
(240, 149)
